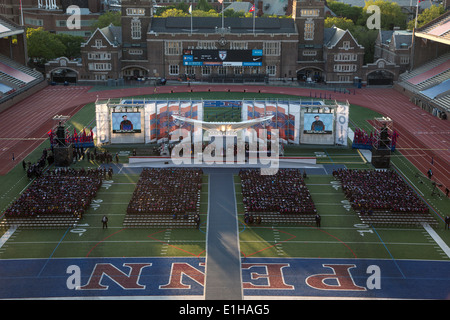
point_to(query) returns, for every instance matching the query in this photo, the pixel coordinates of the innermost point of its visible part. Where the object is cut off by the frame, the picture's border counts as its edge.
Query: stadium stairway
(276, 218)
(60, 221)
(158, 221)
(391, 219)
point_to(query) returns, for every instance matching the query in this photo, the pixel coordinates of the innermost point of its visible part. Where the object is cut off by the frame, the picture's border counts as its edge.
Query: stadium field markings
(389, 252)
(7, 235)
(174, 241)
(442, 245)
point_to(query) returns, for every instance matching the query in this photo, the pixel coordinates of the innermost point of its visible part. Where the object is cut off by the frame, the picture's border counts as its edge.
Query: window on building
(135, 28)
(309, 52)
(174, 69)
(344, 68)
(345, 57)
(189, 70)
(173, 48)
(222, 71)
(98, 43)
(238, 70)
(206, 71)
(100, 77)
(310, 12)
(309, 30)
(271, 70)
(346, 45)
(135, 11)
(272, 48)
(135, 51)
(34, 22)
(239, 45)
(206, 45)
(99, 56)
(404, 59)
(99, 66)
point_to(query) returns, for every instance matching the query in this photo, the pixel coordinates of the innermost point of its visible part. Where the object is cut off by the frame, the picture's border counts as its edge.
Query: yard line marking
(437, 239)
(7, 235)
(398, 267)
(60, 241)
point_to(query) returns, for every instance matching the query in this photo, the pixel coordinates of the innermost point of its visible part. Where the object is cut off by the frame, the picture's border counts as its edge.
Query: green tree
(342, 23)
(366, 38)
(72, 44)
(173, 13)
(391, 14)
(426, 16)
(106, 19)
(201, 13)
(231, 13)
(345, 10)
(204, 5)
(43, 45)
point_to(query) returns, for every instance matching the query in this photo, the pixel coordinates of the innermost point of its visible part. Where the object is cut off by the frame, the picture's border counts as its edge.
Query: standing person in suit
(105, 222)
(318, 219)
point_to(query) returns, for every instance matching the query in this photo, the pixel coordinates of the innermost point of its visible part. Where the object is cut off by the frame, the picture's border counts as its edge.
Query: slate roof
(113, 34)
(209, 25)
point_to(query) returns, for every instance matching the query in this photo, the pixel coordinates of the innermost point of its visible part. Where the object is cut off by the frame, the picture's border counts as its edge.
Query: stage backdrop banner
(342, 124)
(102, 123)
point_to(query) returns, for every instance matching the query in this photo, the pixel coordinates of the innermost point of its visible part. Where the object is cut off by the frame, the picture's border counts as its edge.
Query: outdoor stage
(422, 136)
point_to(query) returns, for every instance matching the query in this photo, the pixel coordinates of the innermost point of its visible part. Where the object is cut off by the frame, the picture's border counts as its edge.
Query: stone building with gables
(222, 49)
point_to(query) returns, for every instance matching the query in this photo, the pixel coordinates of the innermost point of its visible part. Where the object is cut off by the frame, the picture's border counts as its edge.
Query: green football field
(342, 235)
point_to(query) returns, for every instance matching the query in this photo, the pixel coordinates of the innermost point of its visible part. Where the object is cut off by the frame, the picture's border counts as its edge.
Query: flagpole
(21, 13)
(253, 9)
(417, 13)
(190, 11)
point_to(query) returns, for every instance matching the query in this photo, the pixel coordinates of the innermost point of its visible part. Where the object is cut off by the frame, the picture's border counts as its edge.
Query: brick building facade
(226, 49)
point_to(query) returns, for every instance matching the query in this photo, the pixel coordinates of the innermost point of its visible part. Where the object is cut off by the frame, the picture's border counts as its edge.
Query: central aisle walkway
(223, 261)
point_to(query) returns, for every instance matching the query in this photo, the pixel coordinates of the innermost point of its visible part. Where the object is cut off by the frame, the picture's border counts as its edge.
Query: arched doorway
(63, 75)
(310, 74)
(380, 78)
(134, 73)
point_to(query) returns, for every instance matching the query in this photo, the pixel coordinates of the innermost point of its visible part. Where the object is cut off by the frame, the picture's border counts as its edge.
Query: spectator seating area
(281, 198)
(167, 197)
(15, 78)
(430, 81)
(383, 198)
(56, 199)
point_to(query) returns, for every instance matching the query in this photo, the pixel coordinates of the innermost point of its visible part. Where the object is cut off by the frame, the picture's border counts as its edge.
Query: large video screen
(126, 122)
(318, 123)
(226, 58)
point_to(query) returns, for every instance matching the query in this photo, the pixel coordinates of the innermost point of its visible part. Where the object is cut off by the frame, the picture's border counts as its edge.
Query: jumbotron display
(225, 58)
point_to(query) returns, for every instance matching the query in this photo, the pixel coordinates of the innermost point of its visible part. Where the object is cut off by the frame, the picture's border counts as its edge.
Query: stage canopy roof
(223, 126)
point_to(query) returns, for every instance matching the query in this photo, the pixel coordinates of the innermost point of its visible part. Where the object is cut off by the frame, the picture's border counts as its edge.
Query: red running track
(422, 136)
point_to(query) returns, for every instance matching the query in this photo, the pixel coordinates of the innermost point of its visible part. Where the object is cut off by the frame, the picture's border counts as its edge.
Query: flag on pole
(190, 12)
(252, 9)
(21, 12)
